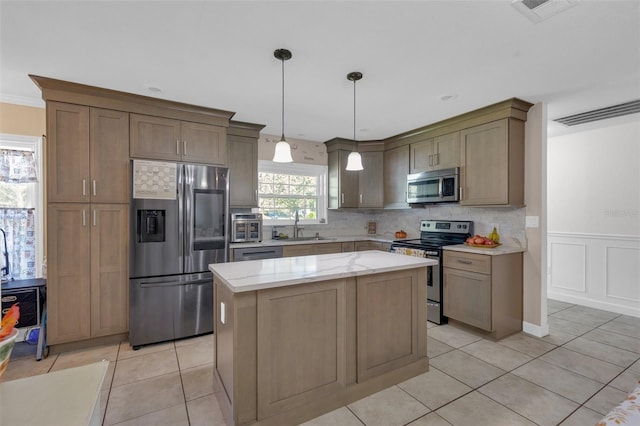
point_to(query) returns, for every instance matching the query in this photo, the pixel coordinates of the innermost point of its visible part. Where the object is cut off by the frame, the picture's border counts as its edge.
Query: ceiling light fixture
(354, 160)
(282, 153)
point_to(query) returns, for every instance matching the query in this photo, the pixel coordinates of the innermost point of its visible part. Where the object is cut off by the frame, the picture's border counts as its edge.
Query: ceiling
(219, 54)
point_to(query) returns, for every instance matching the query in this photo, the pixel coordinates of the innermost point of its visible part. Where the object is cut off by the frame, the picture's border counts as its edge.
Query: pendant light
(282, 153)
(354, 160)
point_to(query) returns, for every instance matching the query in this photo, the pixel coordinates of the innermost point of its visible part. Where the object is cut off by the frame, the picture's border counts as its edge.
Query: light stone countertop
(496, 251)
(383, 238)
(254, 275)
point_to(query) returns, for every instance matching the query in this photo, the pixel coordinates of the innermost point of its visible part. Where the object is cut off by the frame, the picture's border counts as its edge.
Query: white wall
(594, 218)
(594, 181)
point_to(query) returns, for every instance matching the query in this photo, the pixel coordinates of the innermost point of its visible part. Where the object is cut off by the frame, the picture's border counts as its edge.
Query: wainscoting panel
(568, 266)
(623, 273)
(596, 270)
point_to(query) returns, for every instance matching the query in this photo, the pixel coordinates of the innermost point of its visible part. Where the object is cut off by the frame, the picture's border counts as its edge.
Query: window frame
(317, 170)
(35, 143)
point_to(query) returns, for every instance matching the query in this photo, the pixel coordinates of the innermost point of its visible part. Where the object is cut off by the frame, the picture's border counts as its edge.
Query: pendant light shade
(282, 153)
(354, 160)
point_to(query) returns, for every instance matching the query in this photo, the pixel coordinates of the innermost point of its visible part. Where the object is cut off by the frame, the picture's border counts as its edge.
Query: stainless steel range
(434, 234)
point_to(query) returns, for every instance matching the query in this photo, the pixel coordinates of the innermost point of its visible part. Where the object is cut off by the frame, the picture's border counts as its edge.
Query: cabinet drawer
(467, 261)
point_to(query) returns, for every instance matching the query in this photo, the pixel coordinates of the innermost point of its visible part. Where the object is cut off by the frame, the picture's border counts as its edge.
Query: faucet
(296, 229)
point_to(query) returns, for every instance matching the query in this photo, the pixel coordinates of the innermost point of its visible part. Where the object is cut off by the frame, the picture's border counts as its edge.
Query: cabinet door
(68, 279)
(467, 297)
(203, 143)
(421, 156)
(109, 269)
(109, 153)
(396, 169)
(155, 138)
(343, 185)
(327, 248)
(243, 172)
(370, 181)
(301, 345)
(67, 153)
(298, 250)
(446, 151)
(484, 170)
(387, 321)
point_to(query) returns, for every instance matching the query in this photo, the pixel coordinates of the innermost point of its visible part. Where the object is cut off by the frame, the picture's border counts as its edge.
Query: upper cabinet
(440, 152)
(174, 140)
(396, 169)
(492, 164)
(87, 154)
(355, 189)
(242, 139)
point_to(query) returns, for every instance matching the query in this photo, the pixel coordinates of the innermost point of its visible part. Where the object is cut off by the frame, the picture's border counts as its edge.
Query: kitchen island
(297, 337)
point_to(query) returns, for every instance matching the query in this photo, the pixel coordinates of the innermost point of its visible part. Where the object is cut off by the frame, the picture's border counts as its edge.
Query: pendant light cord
(354, 115)
(282, 100)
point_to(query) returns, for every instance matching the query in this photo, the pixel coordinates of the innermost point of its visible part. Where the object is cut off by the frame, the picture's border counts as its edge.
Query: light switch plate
(532, 221)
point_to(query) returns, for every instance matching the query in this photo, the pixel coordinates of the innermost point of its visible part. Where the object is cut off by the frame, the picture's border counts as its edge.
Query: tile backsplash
(510, 222)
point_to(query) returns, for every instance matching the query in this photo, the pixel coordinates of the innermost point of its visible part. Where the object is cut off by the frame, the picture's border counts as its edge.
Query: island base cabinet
(288, 354)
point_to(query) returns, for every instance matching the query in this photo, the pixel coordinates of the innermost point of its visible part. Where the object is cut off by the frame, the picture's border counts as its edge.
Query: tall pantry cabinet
(87, 222)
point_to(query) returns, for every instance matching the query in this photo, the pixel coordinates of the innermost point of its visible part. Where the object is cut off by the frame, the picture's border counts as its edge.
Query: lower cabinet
(372, 245)
(484, 291)
(88, 275)
(310, 249)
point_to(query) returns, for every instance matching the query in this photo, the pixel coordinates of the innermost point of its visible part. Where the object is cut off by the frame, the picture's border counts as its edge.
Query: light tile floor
(574, 376)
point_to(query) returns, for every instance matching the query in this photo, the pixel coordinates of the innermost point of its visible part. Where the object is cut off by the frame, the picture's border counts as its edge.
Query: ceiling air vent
(619, 110)
(539, 10)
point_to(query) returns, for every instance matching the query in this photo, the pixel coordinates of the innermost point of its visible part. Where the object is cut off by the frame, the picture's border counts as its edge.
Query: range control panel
(447, 226)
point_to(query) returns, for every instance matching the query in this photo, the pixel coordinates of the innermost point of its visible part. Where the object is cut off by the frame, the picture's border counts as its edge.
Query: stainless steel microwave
(438, 186)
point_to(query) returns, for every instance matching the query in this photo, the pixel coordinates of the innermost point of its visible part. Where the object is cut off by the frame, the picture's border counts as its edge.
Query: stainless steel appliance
(434, 234)
(178, 217)
(438, 186)
(255, 253)
(246, 227)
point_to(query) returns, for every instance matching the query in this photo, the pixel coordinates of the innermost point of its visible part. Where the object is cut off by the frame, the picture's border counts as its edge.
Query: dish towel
(409, 251)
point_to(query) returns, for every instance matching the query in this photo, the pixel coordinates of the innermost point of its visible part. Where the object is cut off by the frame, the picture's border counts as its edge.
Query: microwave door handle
(440, 187)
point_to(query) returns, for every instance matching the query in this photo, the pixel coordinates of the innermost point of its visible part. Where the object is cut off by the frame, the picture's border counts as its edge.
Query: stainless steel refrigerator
(178, 218)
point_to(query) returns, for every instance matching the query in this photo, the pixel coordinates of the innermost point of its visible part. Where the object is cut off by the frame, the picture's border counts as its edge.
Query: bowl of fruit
(481, 242)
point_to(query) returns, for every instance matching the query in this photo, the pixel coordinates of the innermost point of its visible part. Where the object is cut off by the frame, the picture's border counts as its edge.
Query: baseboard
(631, 311)
(535, 330)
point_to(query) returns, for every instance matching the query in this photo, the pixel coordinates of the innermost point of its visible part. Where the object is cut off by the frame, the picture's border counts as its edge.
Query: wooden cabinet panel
(396, 169)
(343, 185)
(243, 171)
(484, 291)
(67, 153)
(203, 143)
(155, 138)
(298, 250)
(467, 297)
(368, 245)
(468, 261)
(109, 269)
(492, 164)
(109, 156)
(387, 322)
(441, 152)
(327, 248)
(370, 180)
(68, 279)
(294, 369)
(348, 247)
